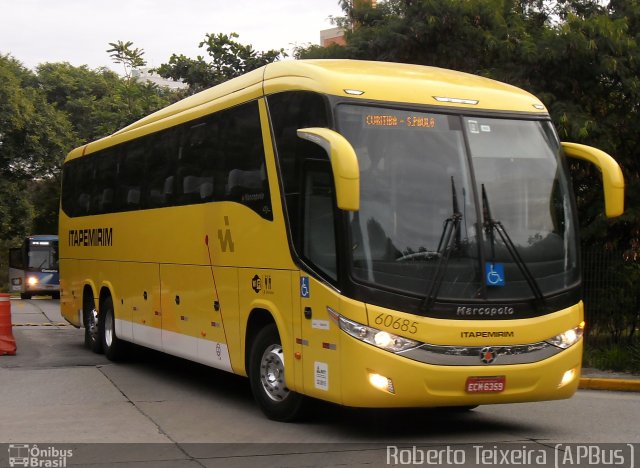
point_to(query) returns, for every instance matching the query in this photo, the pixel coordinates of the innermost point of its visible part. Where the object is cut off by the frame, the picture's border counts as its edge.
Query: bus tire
(114, 348)
(91, 326)
(25, 296)
(266, 375)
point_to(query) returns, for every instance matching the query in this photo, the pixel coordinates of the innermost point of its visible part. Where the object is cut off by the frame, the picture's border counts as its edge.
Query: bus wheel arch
(257, 320)
(90, 320)
(264, 362)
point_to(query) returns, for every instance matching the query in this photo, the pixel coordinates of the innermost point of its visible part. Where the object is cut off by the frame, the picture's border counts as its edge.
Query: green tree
(34, 135)
(228, 58)
(87, 97)
(123, 53)
(132, 91)
(43, 115)
(16, 217)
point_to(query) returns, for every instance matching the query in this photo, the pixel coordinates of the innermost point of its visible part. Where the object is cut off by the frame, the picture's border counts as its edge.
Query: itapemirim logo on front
(29, 455)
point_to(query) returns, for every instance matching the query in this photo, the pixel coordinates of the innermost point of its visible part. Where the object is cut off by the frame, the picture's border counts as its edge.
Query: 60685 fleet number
(397, 323)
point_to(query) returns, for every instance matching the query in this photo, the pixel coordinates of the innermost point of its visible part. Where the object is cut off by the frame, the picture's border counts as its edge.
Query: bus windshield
(459, 208)
(42, 255)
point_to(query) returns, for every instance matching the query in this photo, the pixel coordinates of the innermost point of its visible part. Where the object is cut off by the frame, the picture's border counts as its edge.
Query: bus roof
(377, 81)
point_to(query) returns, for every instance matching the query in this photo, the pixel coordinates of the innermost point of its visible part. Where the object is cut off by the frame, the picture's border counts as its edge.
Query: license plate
(495, 384)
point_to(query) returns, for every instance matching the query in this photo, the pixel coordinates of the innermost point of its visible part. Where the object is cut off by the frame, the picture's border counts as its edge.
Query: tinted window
(216, 158)
(131, 177)
(244, 165)
(161, 166)
(319, 242)
(106, 175)
(289, 112)
(197, 158)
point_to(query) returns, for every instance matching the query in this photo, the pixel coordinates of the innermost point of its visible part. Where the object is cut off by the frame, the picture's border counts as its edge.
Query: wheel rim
(272, 373)
(108, 329)
(93, 324)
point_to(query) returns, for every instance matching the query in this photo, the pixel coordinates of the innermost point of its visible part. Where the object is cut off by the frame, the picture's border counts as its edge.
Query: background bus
(33, 268)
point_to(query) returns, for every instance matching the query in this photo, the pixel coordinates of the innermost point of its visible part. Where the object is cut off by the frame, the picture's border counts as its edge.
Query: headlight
(378, 338)
(568, 338)
(32, 280)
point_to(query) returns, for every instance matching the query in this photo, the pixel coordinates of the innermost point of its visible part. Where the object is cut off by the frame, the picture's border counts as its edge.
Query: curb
(619, 385)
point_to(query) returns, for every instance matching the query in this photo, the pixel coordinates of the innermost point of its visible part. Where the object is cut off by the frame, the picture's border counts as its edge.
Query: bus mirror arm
(612, 178)
(344, 164)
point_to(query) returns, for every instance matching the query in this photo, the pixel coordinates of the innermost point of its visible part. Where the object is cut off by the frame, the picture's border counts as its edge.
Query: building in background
(336, 35)
(332, 36)
(147, 74)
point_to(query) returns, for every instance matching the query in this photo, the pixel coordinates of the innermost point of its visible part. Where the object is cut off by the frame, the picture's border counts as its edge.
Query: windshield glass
(42, 255)
(423, 224)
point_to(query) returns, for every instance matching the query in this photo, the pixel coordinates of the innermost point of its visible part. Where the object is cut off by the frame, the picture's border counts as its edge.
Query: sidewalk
(595, 379)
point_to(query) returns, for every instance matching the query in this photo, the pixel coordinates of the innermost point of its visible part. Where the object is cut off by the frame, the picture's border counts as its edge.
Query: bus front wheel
(114, 348)
(266, 375)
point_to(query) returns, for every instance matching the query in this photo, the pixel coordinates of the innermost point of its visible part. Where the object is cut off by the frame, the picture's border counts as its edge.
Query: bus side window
(244, 168)
(161, 161)
(197, 155)
(69, 198)
(16, 259)
(289, 112)
(131, 177)
(105, 181)
(84, 183)
(319, 241)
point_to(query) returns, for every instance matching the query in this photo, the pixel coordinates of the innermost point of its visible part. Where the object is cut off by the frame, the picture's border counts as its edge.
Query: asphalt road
(163, 411)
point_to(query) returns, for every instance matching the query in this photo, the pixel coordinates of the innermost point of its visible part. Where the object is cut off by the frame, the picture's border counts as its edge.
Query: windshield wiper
(450, 235)
(492, 225)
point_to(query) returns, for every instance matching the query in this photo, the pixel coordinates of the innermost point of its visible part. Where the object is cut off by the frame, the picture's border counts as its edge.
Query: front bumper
(416, 384)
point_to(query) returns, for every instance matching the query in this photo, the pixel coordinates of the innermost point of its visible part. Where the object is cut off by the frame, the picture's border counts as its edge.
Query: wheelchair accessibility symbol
(494, 274)
(304, 286)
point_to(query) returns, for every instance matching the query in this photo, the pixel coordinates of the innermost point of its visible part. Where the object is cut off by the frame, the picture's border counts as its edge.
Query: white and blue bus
(33, 267)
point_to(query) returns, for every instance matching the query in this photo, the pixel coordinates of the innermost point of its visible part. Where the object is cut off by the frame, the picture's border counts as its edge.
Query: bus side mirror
(612, 179)
(344, 165)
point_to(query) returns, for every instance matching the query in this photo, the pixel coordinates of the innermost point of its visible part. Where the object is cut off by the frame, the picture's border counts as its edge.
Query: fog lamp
(381, 382)
(567, 377)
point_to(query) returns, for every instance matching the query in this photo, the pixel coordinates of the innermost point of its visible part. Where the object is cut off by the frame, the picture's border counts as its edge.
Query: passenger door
(319, 341)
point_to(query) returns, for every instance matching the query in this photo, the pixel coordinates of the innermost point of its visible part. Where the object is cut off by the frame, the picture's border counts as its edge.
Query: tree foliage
(130, 58)
(34, 134)
(228, 58)
(43, 115)
(47, 112)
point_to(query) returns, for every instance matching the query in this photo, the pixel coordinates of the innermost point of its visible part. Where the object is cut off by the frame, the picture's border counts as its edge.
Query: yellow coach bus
(369, 234)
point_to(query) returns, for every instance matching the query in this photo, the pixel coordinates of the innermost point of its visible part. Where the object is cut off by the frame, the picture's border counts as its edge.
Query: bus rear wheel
(91, 332)
(114, 347)
(266, 375)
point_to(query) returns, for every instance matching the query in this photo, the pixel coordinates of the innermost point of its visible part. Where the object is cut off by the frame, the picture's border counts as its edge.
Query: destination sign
(414, 121)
